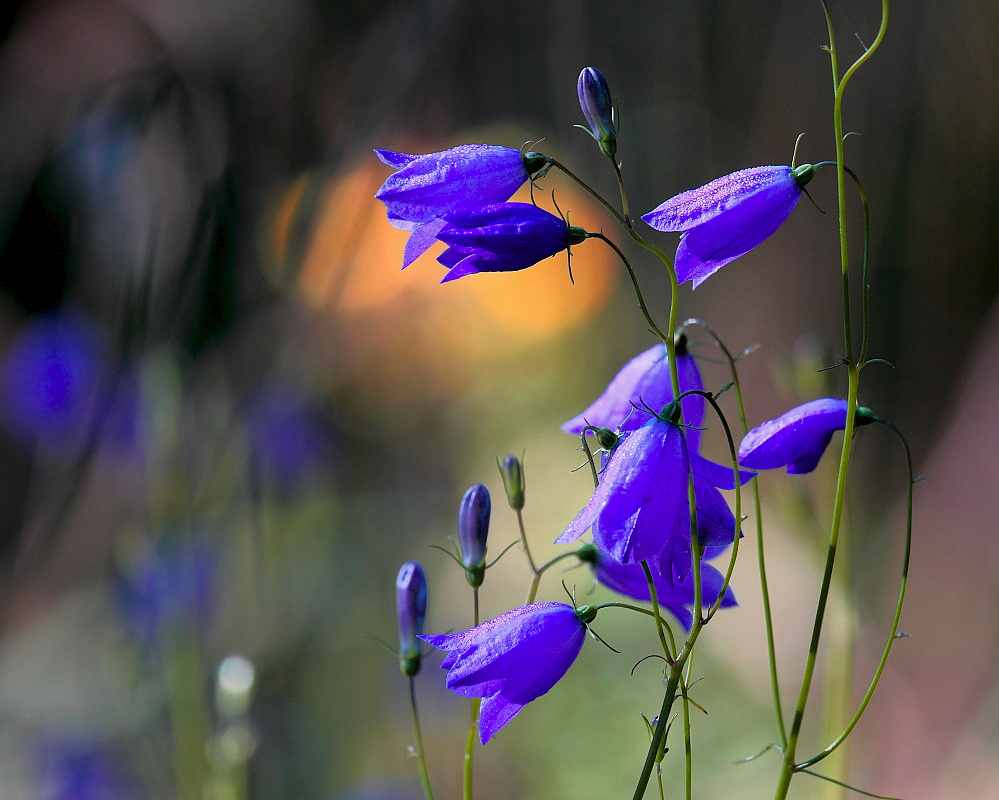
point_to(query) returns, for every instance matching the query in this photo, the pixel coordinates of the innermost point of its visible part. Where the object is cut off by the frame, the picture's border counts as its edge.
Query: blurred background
(226, 417)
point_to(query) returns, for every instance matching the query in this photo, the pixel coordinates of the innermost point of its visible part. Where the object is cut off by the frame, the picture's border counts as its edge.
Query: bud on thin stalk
(411, 609)
(473, 530)
(598, 109)
(512, 472)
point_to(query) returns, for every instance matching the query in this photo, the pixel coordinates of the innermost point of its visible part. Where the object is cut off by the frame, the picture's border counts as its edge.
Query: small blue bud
(411, 608)
(473, 530)
(513, 481)
(598, 109)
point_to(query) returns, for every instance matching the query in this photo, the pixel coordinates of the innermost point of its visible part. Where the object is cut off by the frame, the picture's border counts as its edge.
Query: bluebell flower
(728, 217)
(640, 510)
(645, 382)
(513, 659)
(502, 238)
(428, 187)
(411, 611)
(630, 580)
(172, 585)
(798, 438)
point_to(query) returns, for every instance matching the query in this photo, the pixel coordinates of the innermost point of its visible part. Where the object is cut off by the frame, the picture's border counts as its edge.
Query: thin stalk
(428, 792)
(660, 622)
(667, 340)
(788, 767)
(893, 632)
(532, 592)
(466, 783)
(768, 621)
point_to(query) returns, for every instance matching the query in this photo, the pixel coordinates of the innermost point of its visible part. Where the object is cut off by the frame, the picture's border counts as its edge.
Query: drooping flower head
(473, 531)
(513, 659)
(640, 504)
(427, 187)
(598, 109)
(503, 237)
(411, 611)
(640, 509)
(728, 217)
(798, 438)
(630, 580)
(644, 382)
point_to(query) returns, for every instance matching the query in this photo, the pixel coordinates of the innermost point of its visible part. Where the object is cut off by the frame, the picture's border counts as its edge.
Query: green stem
(467, 765)
(532, 592)
(661, 625)
(760, 554)
(428, 793)
(893, 632)
(667, 340)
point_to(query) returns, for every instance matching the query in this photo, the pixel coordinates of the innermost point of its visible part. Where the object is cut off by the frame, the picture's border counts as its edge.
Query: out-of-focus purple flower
(427, 187)
(411, 611)
(728, 217)
(513, 659)
(797, 438)
(629, 580)
(285, 435)
(174, 584)
(50, 377)
(598, 109)
(645, 381)
(473, 531)
(503, 237)
(81, 771)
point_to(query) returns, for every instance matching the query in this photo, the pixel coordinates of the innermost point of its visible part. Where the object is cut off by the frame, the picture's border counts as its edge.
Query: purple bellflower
(798, 438)
(629, 580)
(513, 659)
(728, 217)
(640, 511)
(503, 237)
(427, 187)
(645, 381)
(411, 611)
(473, 531)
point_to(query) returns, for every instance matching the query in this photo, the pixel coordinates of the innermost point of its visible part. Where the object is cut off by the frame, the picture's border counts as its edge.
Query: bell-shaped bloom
(598, 109)
(513, 659)
(411, 611)
(640, 504)
(644, 382)
(427, 187)
(728, 217)
(798, 438)
(640, 510)
(503, 237)
(630, 580)
(473, 531)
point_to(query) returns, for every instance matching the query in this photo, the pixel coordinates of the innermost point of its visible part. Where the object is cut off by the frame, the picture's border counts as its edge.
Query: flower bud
(513, 481)
(598, 109)
(473, 530)
(411, 608)
(606, 438)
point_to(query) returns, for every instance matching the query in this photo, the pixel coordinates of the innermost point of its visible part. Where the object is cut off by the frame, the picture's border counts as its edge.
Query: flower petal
(494, 713)
(697, 206)
(420, 240)
(797, 438)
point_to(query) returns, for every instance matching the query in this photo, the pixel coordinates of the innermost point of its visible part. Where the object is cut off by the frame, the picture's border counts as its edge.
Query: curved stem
(532, 592)
(667, 340)
(760, 552)
(660, 622)
(893, 632)
(428, 793)
(628, 222)
(788, 767)
(589, 190)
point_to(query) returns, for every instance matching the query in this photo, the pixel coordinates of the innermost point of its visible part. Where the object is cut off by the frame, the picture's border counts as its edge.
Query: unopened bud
(411, 609)
(513, 481)
(473, 530)
(598, 109)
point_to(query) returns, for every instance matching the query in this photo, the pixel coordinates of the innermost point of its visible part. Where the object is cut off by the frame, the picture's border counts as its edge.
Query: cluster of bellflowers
(663, 524)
